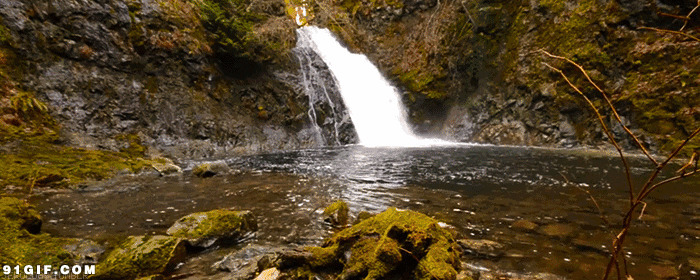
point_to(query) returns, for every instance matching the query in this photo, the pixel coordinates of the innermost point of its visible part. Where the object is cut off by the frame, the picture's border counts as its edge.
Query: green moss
(141, 256)
(337, 212)
(203, 229)
(389, 243)
(20, 247)
(40, 163)
(5, 35)
(131, 145)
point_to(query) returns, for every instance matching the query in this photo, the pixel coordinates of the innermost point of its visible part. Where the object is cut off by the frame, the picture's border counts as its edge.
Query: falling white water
(372, 102)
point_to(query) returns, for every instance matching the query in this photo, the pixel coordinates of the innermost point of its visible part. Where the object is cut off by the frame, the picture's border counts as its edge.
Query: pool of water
(531, 201)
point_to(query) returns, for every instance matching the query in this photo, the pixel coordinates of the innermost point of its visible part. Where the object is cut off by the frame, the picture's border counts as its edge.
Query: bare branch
(605, 129)
(687, 18)
(670, 31)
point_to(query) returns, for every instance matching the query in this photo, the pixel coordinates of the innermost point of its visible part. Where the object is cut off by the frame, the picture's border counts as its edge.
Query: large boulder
(392, 244)
(203, 229)
(141, 256)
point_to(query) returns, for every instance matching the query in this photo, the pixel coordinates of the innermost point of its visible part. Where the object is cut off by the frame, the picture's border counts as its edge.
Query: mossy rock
(394, 243)
(337, 213)
(203, 229)
(20, 242)
(165, 166)
(209, 169)
(20, 214)
(141, 256)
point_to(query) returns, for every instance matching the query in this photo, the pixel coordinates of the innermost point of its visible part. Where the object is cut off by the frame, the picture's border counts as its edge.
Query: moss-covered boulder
(203, 229)
(19, 213)
(336, 213)
(392, 244)
(141, 256)
(209, 169)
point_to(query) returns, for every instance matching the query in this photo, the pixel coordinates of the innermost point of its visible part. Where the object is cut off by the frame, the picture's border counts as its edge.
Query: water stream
(485, 192)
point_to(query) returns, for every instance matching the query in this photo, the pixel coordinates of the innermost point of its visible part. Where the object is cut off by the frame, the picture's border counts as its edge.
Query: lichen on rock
(141, 256)
(337, 213)
(203, 229)
(394, 243)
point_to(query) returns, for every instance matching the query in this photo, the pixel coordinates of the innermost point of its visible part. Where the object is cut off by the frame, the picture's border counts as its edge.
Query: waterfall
(373, 104)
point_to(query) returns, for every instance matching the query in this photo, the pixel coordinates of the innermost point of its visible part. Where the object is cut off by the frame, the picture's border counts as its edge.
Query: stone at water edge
(165, 166)
(268, 274)
(141, 256)
(20, 213)
(376, 247)
(203, 229)
(482, 247)
(337, 213)
(209, 169)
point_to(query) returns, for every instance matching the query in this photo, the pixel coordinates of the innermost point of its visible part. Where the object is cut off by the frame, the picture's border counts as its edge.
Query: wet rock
(336, 214)
(269, 274)
(165, 166)
(152, 277)
(363, 215)
(524, 225)
(245, 263)
(21, 213)
(663, 271)
(85, 251)
(375, 247)
(481, 247)
(203, 229)
(557, 230)
(209, 169)
(141, 256)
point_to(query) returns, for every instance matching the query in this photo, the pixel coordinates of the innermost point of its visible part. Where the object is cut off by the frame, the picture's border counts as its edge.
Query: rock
(524, 225)
(209, 169)
(663, 271)
(363, 215)
(20, 213)
(85, 251)
(558, 230)
(482, 247)
(165, 166)
(375, 247)
(245, 263)
(336, 213)
(269, 274)
(152, 277)
(203, 229)
(142, 256)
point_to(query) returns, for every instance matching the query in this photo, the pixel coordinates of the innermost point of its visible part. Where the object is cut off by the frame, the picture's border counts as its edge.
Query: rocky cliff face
(472, 70)
(189, 78)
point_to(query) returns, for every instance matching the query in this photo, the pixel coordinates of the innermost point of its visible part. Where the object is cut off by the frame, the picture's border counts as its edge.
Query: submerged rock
(209, 169)
(203, 229)
(337, 213)
(482, 247)
(142, 256)
(394, 243)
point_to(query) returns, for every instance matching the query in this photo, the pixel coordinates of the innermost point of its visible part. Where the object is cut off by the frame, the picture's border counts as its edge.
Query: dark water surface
(529, 200)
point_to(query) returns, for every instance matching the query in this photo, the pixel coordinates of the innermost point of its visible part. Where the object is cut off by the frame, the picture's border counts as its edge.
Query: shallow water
(485, 192)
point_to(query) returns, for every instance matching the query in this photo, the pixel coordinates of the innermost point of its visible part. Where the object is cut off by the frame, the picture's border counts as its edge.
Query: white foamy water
(373, 103)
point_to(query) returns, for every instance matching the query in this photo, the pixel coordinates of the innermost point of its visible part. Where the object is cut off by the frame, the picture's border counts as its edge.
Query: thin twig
(641, 214)
(670, 31)
(605, 129)
(687, 18)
